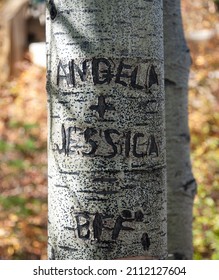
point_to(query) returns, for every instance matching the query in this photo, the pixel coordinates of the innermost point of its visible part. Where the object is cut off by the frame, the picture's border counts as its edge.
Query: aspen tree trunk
(180, 181)
(107, 196)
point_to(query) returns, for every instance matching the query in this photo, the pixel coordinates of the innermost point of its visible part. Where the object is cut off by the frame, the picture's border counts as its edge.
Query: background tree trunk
(180, 181)
(107, 196)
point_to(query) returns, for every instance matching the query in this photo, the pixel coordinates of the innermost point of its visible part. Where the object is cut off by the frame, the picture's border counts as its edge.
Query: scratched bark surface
(107, 196)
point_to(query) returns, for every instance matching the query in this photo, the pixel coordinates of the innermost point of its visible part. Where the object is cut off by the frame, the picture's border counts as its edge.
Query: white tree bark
(180, 181)
(107, 196)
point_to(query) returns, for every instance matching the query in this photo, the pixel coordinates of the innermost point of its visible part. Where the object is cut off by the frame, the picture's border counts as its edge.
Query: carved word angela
(100, 71)
(126, 143)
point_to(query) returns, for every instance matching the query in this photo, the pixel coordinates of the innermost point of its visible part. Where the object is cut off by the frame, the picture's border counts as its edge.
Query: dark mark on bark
(97, 70)
(63, 102)
(127, 143)
(127, 214)
(189, 184)
(80, 100)
(107, 121)
(60, 33)
(102, 107)
(69, 93)
(103, 192)
(119, 226)
(159, 192)
(83, 228)
(130, 187)
(69, 228)
(104, 180)
(146, 170)
(109, 140)
(153, 79)
(88, 133)
(136, 166)
(69, 173)
(145, 241)
(96, 199)
(139, 216)
(68, 248)
(135, 139)
(98, 226)
(60, 186)
(186, 136)
(64, 141)
(53, 257)
(169, 82)
(71, 119)
(52, 9)
(152, 146)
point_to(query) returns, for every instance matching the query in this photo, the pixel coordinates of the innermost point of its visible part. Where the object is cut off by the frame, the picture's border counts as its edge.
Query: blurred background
(23, 126)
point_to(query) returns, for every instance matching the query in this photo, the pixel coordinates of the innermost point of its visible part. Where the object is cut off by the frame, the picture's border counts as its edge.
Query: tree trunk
(107, 196)
(180, 181)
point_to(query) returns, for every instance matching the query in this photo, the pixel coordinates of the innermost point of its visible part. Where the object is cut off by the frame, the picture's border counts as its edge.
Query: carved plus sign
(102, 107)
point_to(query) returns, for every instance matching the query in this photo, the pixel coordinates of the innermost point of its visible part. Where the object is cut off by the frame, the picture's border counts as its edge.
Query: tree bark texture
(181, 184)
(107, 196)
